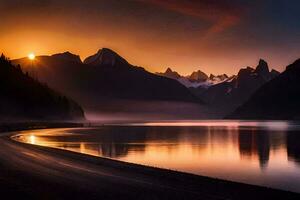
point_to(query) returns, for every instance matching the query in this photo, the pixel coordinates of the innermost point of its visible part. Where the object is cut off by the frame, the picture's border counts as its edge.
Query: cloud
(221, 14)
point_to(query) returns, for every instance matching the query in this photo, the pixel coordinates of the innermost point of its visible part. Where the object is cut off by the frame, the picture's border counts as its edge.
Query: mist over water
(256, 152)
(141, 111)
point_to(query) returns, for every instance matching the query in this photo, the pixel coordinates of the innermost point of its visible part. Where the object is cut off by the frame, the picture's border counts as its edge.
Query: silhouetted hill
(22, 97)
(277, 99)
(68, 57)
(104, 78)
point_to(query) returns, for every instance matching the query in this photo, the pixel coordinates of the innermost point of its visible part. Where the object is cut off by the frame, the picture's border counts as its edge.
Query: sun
(31, 56)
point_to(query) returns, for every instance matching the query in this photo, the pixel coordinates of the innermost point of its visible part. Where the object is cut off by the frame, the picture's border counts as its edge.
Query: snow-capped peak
(196, 79)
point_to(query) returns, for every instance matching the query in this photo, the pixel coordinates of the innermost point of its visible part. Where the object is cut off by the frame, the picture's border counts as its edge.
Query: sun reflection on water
(32, 139)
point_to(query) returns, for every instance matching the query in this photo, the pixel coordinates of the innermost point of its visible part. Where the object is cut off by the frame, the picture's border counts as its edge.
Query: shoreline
(135, 180)
(142, 166)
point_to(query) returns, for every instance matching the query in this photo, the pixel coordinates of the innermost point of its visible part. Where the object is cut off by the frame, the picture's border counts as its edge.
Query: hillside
(22, 97)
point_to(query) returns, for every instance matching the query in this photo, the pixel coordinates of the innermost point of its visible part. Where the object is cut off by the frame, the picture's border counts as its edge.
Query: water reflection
(254, 143)
(293, 146)
(255, 153)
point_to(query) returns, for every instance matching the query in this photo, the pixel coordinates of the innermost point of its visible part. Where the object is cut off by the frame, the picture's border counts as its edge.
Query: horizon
(163, 69)
(215, 37)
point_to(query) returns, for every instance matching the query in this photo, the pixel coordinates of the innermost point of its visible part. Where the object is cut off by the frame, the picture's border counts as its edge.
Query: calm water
(261, 153)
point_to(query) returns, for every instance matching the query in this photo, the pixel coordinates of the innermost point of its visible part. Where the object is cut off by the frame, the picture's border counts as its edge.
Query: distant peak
(105, 56)
(68, 56)
(263, 71)
(220, 77)
(262, 61)
(106, 50)
(198, 76)
(169, 70)
(262, 67)
(245, 71)
(171, 74)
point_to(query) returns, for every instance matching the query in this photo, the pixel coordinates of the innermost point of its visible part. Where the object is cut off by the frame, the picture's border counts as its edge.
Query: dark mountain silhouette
(104, 80)
(263, 71)
(277, 99)
(170, 74)
(198, 76)
(106, 57)
(67, 56)
(22, 97)
(234, 91)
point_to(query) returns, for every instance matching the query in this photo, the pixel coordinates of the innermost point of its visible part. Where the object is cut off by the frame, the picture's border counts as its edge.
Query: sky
(215, 36)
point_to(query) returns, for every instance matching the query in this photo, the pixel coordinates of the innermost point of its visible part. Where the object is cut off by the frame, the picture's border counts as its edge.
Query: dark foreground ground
(32, 172)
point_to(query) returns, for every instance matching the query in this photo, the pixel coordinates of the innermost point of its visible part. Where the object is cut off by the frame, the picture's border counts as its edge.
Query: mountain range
(233, 92)
(23, 98)
(196, 79)
(106, 82)
(277, 99)
(223, 93)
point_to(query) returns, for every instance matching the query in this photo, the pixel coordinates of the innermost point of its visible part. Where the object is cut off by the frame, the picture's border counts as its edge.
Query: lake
(265, 153)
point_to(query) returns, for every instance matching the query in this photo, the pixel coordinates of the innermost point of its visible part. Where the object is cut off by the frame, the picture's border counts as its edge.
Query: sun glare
(31, 56)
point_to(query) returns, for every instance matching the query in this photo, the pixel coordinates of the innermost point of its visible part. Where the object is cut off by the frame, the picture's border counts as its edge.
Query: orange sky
(183, 35)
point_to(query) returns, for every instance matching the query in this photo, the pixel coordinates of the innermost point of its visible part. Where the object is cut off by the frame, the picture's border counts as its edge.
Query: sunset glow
(31, 56)
(216, 37)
